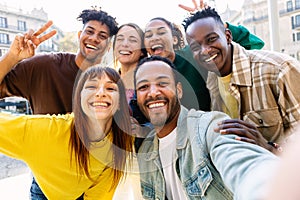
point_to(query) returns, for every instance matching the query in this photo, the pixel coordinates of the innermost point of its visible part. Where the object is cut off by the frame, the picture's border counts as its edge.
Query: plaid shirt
(267, 87)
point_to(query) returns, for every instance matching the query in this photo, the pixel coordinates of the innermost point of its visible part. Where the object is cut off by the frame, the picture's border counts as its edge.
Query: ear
(78, 34)
(175, 41)
(228, 35)
(179, 90)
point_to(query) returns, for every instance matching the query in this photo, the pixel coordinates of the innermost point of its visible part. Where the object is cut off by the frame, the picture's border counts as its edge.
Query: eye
(112, 89)
(163, 83)
(133, 40)
(161, 32)
(195, 47)
(89, 32)
(90, 86)
(142, 87)
(212, 39)
(120, 39)
(102, 36)
(148, 35)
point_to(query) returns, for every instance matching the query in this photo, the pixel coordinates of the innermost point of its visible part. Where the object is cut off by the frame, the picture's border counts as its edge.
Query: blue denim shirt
(209, 165)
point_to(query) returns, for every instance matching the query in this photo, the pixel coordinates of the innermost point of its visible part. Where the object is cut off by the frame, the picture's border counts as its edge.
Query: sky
(64, 12)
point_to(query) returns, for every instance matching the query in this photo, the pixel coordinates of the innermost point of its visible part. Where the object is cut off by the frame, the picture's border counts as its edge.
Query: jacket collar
(181, 136)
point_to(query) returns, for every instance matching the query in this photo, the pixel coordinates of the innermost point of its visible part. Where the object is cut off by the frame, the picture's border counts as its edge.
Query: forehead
(202, 27)
(153, 70)
(99, 77)
(156, 24)
(97, 25)
(128, 30)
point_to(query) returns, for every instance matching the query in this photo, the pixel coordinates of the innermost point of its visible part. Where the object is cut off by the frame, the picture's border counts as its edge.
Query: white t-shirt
(167, 154)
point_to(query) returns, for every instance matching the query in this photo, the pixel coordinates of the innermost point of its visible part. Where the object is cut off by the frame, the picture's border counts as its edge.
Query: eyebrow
(159, 28)
(91, 27)
(158, 78)
(94, 79)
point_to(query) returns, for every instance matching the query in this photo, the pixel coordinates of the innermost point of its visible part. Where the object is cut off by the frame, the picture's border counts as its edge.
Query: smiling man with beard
(183, 157)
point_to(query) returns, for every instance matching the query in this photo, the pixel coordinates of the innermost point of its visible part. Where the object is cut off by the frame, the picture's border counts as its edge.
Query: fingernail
(238, 138)
(222, 131)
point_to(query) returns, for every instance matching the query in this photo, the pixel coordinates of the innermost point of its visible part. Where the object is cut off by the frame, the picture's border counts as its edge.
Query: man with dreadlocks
(47, 80)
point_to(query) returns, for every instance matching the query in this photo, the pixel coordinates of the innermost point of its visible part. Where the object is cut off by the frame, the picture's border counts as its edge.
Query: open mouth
(157, 49)
(156, 105)
(211, 58)
(122, 52)
(100, 104)
(89, 46)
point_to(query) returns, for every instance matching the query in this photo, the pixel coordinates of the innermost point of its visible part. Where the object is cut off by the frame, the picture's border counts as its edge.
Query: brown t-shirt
(45, 80)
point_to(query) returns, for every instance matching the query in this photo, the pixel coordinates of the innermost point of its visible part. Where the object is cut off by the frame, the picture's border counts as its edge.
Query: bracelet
(276, 146)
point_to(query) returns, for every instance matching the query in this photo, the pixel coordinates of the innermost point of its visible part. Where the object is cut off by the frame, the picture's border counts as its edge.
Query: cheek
(140, 97)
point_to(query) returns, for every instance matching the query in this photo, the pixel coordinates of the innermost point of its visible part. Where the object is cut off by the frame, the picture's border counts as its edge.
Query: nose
(95, 37)
(124, 42)
(205, 49)
(100, 92)
(153, 91)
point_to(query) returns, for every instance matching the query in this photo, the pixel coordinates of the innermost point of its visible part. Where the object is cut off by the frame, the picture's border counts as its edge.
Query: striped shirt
(266, 85)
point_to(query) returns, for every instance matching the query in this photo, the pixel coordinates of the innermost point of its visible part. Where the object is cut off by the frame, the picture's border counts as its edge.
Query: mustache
(154, 99)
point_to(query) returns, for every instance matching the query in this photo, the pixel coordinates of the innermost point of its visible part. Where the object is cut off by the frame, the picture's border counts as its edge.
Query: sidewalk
(16, 187)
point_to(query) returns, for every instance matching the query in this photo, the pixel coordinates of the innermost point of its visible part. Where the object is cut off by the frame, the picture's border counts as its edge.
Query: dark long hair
(121, 126)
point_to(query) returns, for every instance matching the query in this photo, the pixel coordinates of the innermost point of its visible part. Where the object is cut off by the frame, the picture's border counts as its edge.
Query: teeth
(91, 46)
(155, 105)
(211, 58)
(124, 52)
(100, 104)
(156, 46)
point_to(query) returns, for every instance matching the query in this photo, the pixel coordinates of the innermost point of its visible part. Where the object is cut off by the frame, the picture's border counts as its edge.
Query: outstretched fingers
(196, 7)
(43, 28)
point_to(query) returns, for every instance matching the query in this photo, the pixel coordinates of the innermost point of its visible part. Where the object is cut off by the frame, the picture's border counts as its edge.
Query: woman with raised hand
(87, 150)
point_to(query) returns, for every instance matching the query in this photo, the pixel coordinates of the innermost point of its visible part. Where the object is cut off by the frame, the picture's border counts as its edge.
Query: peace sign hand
(197, 7)
(24, 45)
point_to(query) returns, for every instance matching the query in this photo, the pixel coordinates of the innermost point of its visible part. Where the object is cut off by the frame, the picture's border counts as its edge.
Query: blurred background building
(14, 21)
(255, 16)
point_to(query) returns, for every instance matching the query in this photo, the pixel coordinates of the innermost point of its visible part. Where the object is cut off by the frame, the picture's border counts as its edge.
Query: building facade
(254, 15)
(14, 21)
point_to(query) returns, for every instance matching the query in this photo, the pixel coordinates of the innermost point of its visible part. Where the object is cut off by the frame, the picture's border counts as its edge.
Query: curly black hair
(157, 58)
(205, 13)
(101, 16)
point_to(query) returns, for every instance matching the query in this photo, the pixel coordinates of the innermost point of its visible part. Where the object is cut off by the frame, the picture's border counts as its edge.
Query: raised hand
(24, 45)
(245, 132)
(196, 6)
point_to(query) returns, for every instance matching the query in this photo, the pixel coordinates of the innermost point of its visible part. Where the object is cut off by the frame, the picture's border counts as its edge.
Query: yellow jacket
(42, 142)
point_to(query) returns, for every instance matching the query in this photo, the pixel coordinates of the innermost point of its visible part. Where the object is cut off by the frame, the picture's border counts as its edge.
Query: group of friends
(205, 114)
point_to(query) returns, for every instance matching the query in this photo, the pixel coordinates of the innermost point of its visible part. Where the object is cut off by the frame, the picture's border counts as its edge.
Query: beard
(159, 119)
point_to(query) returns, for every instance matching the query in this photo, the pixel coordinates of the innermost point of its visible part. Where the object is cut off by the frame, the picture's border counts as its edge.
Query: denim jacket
(209, 165)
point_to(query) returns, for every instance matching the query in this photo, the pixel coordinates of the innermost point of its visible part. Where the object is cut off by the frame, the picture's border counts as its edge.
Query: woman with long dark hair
(80, 154)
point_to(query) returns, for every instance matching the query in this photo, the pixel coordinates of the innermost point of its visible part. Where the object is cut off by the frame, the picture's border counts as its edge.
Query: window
(289, 6)
(21, 25)
(3, 22)
(4, 38)
(297, 21)
(297, 4)
(294, 37)
(298, 36)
